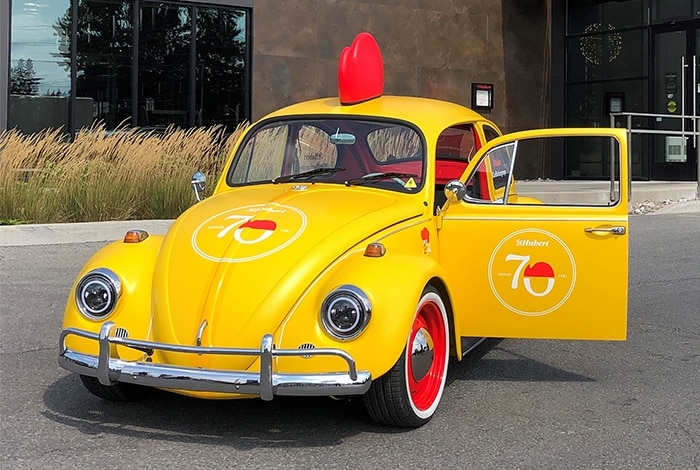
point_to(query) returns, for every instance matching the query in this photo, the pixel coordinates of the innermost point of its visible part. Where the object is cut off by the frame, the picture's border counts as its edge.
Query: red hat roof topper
(360, 71)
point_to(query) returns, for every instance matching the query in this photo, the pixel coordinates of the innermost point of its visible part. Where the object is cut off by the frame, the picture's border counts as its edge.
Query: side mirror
(198, 180)
(455, 190)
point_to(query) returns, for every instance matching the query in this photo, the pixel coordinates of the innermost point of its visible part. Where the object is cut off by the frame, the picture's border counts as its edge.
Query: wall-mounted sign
(615, 101)
(671, 83)
(675, 150)
(482, 96)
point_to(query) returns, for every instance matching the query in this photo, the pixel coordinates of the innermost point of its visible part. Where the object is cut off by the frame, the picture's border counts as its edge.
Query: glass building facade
(636, 56)
(77, 63)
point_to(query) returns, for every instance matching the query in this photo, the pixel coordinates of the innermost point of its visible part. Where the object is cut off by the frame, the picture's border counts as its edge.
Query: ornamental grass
(127, 174)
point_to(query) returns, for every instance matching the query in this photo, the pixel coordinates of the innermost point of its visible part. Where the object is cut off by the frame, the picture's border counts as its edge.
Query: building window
(607, 50)
(103, 62)
(39, 74)
(144, 63)
(221, 66)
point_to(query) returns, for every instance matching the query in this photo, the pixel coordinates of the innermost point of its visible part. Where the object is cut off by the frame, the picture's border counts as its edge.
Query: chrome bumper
(267, 383)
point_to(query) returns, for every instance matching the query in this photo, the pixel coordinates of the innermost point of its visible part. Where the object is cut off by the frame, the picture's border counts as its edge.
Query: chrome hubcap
(422, 354)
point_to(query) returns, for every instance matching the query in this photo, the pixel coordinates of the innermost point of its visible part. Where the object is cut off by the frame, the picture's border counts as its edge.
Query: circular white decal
(248, 233)
(532, 272)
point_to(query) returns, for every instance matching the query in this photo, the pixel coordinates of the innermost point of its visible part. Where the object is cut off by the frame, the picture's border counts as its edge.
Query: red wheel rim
(425, 391)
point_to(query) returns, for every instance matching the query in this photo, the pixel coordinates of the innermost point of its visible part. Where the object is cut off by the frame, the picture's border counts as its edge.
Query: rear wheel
(117, 392)
(410, 392)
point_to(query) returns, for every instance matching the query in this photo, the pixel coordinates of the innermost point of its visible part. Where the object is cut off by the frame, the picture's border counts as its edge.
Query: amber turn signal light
(375, 250)
(135, 236)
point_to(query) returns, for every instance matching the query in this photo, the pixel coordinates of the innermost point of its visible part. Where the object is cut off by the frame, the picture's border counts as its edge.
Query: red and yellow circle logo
(248, 233)
(532, 272)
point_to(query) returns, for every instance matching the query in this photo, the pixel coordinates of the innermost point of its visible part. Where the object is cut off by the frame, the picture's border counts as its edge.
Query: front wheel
(409, 393)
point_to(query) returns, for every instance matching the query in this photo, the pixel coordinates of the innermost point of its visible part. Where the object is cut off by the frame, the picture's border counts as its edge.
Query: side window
(507, 174)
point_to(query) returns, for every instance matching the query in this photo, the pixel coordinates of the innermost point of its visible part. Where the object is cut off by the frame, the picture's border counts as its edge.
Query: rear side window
(457, 143)
(454, 148)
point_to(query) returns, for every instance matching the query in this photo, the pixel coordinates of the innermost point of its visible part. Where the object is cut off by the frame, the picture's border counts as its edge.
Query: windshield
(346, 151)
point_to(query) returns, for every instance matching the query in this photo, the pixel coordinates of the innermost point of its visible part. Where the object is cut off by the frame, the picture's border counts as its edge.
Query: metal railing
(684, 135)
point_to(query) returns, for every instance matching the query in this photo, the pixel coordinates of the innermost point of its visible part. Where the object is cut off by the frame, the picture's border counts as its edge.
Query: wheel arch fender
(394, 291)
(133, 264)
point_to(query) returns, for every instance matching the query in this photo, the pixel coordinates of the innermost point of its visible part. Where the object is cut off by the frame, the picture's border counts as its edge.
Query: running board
(469, 343)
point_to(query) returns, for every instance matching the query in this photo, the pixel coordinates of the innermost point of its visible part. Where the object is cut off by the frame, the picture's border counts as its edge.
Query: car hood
(231, 267)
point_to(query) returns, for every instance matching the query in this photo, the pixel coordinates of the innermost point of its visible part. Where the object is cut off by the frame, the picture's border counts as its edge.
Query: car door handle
(616, 230)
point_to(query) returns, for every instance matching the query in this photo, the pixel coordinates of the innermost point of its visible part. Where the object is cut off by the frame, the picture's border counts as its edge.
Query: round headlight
(97, 293)
(345, 312)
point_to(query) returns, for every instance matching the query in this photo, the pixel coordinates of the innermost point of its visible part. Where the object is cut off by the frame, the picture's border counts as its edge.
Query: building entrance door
(675, 63)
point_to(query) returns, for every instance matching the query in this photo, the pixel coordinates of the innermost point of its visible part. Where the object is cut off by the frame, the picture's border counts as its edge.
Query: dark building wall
(432, 48)
(527, 45)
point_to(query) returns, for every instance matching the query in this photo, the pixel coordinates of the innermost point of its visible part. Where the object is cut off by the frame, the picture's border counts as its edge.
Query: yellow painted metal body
(172, 284)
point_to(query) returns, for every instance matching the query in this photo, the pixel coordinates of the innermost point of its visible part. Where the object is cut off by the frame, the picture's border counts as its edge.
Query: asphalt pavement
(663, 197)
(511, 404)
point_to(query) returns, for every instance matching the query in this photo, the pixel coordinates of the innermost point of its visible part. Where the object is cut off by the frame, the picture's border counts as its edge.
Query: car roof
(429, 115)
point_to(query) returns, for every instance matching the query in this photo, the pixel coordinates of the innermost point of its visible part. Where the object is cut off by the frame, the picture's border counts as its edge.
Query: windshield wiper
(326, 171)
(374, 177)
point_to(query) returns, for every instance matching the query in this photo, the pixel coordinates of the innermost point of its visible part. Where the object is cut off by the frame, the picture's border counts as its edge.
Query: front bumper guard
(267, 383)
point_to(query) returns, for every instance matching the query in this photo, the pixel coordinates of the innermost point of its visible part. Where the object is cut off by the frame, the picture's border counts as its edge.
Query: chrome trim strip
(200, 332)
(109, 368)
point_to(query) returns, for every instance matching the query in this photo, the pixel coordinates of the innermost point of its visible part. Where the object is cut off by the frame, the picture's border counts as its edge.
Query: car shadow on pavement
(494, 361)
(285, 422)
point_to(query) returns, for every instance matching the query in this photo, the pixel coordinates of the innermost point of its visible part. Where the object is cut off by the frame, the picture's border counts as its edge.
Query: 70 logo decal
(248, 233)
(266, 228)
(523, 283)
(542, 270)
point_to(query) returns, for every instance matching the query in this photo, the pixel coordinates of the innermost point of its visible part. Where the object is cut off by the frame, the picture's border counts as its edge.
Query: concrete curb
(691, 206)
(83, 232)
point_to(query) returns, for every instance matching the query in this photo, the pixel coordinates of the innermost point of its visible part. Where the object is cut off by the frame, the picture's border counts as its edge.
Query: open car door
(538, 264)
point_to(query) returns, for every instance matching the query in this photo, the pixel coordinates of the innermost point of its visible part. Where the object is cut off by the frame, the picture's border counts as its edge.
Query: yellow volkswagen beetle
(352, 246)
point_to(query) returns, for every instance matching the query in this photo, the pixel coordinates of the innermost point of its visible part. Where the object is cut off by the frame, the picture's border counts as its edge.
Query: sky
(33, 37)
